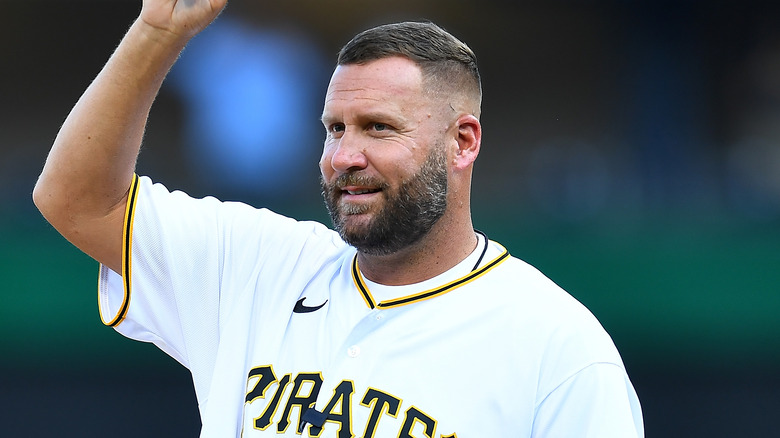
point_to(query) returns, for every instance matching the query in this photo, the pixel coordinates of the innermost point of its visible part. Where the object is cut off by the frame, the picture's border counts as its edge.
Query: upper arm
(97, 232)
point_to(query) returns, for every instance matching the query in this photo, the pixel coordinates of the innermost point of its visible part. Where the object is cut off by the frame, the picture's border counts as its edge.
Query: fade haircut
(447, 64)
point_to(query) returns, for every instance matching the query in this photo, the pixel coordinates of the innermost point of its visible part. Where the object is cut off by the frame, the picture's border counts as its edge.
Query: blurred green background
(631, 152)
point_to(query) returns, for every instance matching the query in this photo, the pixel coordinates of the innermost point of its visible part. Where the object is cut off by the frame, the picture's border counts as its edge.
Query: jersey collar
(477, 272)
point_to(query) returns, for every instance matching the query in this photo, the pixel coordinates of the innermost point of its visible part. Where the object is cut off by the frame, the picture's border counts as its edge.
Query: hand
(181, 18)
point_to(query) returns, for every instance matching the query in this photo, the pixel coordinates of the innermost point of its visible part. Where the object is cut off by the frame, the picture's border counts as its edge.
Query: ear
(469, 138)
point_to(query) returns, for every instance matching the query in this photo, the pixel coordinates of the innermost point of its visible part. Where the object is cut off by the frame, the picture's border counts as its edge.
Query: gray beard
(407, 215)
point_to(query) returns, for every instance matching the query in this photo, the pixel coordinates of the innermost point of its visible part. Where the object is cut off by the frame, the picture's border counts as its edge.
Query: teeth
(358, 192)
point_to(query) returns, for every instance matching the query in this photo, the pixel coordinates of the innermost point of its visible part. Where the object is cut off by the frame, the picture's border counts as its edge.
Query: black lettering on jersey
(267, 378)
(380, 403)
(302, 402)
(304, 393)
(414, 415)
(266, 418)
(339, 410)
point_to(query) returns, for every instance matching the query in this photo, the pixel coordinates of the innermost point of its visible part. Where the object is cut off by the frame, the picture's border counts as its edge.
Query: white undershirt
(382, 292)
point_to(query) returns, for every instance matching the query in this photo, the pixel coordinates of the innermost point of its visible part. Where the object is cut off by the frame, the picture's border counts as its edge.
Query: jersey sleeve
(184, 263)
(584, 390)
(596, 402)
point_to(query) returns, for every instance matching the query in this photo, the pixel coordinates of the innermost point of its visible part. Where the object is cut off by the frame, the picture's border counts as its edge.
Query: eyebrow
(327, 120)
(367, 116)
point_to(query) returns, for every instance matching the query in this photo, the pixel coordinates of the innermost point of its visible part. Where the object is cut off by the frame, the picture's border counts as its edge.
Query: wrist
(158, 39)
(144, 57)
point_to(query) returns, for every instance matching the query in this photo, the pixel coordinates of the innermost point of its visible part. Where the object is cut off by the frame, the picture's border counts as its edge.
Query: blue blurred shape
(252, 100)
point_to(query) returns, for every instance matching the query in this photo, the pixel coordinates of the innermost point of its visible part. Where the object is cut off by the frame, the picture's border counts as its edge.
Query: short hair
(442, 58)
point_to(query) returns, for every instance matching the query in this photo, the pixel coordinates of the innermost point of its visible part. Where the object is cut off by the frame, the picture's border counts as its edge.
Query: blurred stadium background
(631, 152)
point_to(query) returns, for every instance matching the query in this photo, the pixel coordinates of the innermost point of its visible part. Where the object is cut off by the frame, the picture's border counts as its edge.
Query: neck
(442, 248)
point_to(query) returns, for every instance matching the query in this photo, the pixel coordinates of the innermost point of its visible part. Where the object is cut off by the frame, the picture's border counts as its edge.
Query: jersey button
(353, 351)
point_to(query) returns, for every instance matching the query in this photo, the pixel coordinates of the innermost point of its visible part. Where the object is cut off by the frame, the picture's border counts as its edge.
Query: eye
(379, 127)
(335, 129)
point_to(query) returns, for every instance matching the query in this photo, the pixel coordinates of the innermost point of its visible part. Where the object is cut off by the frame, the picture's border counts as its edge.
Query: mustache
(356, 179)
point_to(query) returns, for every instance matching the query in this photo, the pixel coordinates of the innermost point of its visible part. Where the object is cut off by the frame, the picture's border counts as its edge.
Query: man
(404, 323)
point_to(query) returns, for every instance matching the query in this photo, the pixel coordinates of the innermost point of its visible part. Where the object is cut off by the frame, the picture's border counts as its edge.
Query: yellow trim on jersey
(127, 240)
(360, 283)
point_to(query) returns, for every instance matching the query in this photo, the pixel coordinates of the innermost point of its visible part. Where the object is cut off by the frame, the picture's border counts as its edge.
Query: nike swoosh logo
(300, 308)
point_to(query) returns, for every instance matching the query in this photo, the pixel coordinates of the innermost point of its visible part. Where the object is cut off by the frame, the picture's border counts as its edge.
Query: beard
(407, 214)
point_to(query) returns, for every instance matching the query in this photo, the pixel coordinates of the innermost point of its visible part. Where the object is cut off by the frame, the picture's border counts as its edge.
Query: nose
(347, 154)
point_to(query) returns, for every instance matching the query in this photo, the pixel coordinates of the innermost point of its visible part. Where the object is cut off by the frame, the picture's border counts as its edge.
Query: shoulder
(235, 229)
(562, 328)
(159, 201)
(517, 282)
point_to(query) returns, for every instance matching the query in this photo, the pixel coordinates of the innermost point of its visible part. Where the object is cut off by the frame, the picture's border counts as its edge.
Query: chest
(423, 369)
(418, 370)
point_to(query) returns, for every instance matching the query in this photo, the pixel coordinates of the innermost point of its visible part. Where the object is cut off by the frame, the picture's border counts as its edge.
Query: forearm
(90, 166)
(94, 154)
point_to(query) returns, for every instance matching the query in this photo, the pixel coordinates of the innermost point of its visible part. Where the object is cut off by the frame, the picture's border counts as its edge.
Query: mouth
(357, 200)
(359, 190)
(352, 194)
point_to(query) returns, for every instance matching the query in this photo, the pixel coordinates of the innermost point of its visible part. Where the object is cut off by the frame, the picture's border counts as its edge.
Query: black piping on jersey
(127, 237)
(484, 250)
(471, 276)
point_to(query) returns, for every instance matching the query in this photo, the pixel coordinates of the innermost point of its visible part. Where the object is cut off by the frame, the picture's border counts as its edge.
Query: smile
(361, 191)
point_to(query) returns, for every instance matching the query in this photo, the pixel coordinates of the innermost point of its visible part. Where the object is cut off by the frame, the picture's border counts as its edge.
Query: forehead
(382, 83)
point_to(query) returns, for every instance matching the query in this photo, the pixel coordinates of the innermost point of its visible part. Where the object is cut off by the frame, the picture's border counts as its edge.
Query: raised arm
(84, 185)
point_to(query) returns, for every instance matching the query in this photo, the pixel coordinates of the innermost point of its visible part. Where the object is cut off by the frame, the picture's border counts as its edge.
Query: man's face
(384, 163)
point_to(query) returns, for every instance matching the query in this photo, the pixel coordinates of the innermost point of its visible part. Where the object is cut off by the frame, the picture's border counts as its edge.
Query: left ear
(469, 138)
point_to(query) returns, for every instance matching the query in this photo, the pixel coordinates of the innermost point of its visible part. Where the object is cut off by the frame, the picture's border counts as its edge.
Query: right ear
(469, 139)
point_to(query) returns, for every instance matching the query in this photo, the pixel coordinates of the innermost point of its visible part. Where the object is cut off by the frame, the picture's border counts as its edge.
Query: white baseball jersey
(284, 336)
